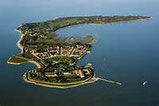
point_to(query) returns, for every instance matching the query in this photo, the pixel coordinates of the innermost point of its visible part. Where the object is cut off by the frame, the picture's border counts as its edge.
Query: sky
(7, 2)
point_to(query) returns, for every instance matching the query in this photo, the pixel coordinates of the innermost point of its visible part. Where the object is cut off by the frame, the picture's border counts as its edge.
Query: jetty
(110, 81)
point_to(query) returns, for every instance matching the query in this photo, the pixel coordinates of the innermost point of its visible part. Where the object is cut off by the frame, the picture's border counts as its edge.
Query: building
(52, 51)
(51, 74)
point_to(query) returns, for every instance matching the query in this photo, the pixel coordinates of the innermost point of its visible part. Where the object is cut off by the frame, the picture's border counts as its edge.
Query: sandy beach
(21, 48)
(18, 43)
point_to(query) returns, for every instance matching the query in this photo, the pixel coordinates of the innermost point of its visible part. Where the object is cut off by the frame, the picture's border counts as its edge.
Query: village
(60, 72)
(77, 50)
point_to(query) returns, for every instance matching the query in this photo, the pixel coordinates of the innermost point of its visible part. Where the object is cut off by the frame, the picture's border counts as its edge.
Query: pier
(110, 81)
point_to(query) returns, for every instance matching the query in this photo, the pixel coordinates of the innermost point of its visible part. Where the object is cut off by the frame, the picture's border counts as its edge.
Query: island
(56, 57)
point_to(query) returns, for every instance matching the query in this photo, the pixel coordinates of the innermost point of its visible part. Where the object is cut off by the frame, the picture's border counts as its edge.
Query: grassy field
(17, 60)
(64, 59)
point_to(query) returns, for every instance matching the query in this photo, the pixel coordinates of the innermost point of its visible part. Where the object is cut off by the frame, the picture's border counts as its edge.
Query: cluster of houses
(52, 51)
(38, 34)
(82, 73)
(33, 31)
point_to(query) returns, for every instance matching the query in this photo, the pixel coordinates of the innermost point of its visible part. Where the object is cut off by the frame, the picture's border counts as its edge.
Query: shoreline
(88, 81)
(38, 65)
(18, 42)
(21, 51)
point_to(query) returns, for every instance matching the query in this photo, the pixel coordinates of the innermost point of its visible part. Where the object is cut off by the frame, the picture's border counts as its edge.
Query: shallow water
(124, 52)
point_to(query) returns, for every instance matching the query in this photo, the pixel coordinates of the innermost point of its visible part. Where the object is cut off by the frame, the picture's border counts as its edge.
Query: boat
(88, 65)
(144, 83)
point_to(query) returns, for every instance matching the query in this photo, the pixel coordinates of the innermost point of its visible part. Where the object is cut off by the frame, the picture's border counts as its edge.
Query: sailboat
(144, 83)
